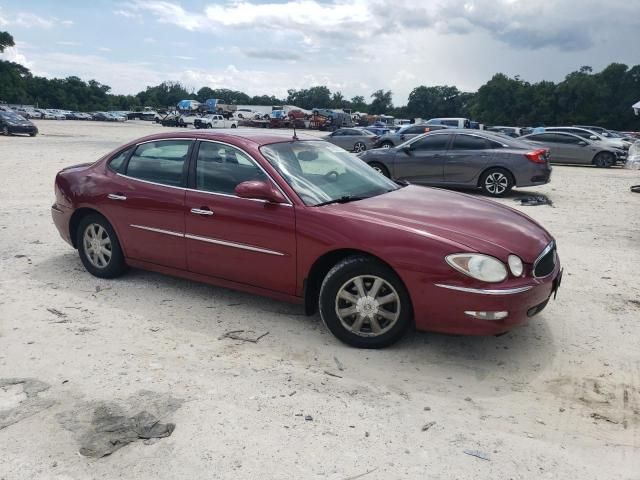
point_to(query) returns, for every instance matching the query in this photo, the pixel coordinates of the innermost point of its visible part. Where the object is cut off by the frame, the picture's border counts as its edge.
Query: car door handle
(202, 211)
(116, 196)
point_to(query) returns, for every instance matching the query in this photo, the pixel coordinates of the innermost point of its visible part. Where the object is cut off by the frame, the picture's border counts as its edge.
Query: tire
(359, 147)
(496, 182)
(604, 160)
(33, 134)
(342, 282)
(234, 126)
(5, 131)
(380, 168)
(387, 145)
(100, 229)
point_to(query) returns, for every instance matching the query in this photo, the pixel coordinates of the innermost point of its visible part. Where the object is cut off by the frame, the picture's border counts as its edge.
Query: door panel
(244, 241)
(466, 159)
(424, 161)
(149, 220)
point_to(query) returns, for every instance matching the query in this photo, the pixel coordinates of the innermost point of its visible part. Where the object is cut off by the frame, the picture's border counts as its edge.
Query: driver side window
(431, 143)
(221, 168)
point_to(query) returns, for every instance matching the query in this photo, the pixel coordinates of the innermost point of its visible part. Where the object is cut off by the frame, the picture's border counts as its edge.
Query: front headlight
(478, 266)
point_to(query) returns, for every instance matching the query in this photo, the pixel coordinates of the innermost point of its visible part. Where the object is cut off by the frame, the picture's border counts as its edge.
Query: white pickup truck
(214, 121)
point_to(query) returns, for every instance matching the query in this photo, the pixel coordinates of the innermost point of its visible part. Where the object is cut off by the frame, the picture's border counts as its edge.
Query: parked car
(407, 132)
(450, 122)
(214, 121)
(246, 114)
(117, 117)
(11, 122)
(306, 222)
(378, 130)
(570, 148)
(591, 135)
(353, 139)
(464, 158)
(103, 117)
(513, 132)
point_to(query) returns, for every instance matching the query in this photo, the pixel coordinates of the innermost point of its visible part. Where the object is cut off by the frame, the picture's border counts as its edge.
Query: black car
(11, 122)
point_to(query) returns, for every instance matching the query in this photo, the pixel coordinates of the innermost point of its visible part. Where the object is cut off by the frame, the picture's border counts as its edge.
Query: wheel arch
(76, 218)
(326, 262)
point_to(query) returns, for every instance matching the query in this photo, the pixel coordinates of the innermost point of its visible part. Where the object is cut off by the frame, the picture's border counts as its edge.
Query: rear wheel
(386, 145)
(33, 134)
(234, 126)
(380, 168)
(364, 303)
(359, 147)
(496, 182)
(99, 248)
(604, 160)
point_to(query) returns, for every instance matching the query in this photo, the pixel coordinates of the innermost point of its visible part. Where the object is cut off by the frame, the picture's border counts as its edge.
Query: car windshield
(11, 116)
(321, 172)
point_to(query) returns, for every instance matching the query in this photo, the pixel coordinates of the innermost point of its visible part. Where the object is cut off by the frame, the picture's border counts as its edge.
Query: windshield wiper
(343, 199)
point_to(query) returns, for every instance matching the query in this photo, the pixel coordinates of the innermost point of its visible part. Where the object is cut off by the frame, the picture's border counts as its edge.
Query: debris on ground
(362, 474)
(19, 399)
(338, 364)
(478, 454)
(533, 200)
(104, 427)
(308, 418)
(56, 312)
(331, 374)
(427, 426)
(250, 336)
(596, 416)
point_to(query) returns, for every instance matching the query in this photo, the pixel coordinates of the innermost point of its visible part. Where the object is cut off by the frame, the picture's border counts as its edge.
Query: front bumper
(441, 307)
(28, 129)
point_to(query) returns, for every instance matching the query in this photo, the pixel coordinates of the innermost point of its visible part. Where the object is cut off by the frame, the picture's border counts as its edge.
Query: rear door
(242, 240)
(467, 157)
(423, 160)
(146, 201)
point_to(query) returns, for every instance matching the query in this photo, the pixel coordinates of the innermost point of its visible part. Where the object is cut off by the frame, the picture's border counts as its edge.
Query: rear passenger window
(117, 163)
(220, 168)
(160, 162)
(431, 142)
(469, 142)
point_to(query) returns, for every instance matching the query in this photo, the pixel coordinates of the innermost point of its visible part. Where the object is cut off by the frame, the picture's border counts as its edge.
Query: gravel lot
(559, 398)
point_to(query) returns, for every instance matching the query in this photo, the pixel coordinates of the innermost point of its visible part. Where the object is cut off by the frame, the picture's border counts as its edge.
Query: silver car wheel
(97, 245)
(359, 147)
(367, 306)
(386, 146)
(496, 183)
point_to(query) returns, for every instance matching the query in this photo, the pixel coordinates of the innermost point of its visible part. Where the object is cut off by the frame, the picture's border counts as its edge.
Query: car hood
(479, 224)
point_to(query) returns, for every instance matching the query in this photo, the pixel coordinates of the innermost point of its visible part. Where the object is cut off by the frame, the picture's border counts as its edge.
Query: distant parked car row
(57, 114)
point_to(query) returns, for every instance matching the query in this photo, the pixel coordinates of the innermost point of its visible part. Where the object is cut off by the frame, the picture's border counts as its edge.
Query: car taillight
(537, 156)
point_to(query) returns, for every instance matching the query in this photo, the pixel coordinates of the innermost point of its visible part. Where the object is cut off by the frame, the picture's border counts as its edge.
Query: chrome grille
(546, 262)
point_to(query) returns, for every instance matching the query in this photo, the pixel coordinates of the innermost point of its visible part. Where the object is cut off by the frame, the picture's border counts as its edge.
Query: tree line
(583, 97)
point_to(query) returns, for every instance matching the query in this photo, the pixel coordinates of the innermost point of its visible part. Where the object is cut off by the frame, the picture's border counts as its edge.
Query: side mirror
(593, 137)
(259, 190)
(582, 143)
(402, 136)
(407, 149)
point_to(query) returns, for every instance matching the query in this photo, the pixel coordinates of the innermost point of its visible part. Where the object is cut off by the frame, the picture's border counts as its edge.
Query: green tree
(382, 102)
(358, 104)
(6, 40)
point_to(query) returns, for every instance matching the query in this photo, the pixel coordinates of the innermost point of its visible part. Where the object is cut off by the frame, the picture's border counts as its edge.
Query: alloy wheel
(359, 147)
(97, 245)
(496, 183)
(367, 306)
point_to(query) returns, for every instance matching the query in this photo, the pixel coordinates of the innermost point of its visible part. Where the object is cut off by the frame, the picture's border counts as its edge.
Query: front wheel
(364, 303)
(359, 147)
(496, 182)
(5, 131)
(234, 126)
(99, 248)
(386, 145)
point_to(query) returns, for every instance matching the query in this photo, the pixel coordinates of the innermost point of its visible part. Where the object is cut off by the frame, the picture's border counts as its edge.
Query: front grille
(546, 262)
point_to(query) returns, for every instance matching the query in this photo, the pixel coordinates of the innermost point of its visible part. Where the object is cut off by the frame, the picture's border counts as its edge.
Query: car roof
(254, 136)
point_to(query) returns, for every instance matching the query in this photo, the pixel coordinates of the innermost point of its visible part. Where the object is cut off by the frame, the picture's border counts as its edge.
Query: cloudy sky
(355, 46)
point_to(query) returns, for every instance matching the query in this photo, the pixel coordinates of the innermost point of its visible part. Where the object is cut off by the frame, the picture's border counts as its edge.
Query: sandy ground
(559, 398)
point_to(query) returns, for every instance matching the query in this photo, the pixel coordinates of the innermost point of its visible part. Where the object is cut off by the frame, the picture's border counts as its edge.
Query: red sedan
(301, 220)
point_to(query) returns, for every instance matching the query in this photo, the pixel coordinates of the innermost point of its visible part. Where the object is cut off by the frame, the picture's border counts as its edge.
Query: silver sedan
(353, 139)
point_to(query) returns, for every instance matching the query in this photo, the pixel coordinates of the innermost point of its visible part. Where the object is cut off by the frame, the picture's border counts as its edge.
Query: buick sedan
(302, 220)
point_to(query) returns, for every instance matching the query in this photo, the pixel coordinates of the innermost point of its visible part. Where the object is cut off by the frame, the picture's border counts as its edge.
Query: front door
(246, 241)
(422, 161)
(146, 202)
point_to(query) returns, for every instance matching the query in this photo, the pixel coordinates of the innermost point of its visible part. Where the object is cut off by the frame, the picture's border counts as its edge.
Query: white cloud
(104, 49)
(68, 43)
(13, 54)
(30, 20)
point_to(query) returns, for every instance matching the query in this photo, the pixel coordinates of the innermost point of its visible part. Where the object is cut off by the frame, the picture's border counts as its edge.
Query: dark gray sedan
(464, 158)
(407, 132)
(353, 139)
